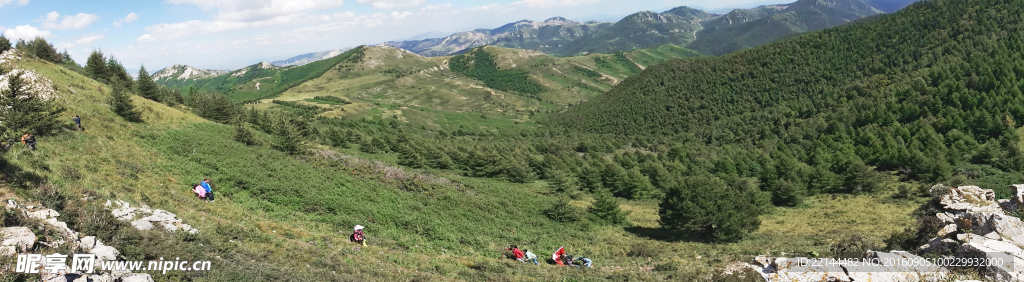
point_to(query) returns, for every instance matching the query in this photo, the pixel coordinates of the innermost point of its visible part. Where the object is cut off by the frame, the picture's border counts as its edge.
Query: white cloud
(556, 3)
(131, 17)
(393, 4)
(81, 41)
(25, 32)
(16, 2)
(196, 27)
(257, 10)
(54, 20)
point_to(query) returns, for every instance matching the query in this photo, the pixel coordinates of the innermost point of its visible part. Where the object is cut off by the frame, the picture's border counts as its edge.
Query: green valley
(658, 164)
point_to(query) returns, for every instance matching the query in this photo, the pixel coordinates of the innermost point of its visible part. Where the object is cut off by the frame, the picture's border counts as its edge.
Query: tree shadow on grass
(661, 234)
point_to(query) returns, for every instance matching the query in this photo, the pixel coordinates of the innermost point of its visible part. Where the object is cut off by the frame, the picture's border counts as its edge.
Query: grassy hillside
(259, 80)
(280, 217)
(389, 82)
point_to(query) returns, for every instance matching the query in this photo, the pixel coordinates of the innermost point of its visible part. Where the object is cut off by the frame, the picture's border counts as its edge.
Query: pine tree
(286, 138)
(244, 135)
(121, 102)
(44, 50)
(116, 70)
(27, 111)
(408, 156)
(146, 87)
(606, 209)
(564, 212)
(705, 207)
(562, 182)
(5, 44)
(96, 67)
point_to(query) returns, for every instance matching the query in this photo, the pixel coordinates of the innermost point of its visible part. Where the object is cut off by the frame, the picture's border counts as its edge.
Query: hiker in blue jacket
(209, 191)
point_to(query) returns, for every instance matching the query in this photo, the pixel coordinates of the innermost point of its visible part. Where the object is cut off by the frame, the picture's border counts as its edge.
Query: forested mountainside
(928, 93)
(742, 29)
(256, 81)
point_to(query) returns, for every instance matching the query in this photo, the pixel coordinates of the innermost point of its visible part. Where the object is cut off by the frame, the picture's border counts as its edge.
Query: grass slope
(260, 80)
(390, 82)
(286, 218)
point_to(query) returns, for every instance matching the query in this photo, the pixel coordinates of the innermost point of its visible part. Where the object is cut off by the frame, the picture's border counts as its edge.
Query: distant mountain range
(696, 29)
(183, 72)
(309, 58)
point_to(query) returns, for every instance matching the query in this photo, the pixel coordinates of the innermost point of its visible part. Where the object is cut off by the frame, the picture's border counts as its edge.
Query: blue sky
(230, 34)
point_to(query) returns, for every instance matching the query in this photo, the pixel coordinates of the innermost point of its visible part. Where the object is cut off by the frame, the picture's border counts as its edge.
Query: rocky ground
(978, 230)
(20, 239)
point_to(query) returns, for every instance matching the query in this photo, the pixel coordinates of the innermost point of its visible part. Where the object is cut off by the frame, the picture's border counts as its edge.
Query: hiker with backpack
(358, 236)
(586, 262)
(29, 140)
(567, 260)
(516, 253)
(209, 191)
(530, 256)
(199, 190)
(78, 123)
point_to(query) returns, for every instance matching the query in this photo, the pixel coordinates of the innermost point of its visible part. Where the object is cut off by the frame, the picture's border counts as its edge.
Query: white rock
(142, 224)
(8, 251)
(948, 229)
(86, 243)
(20, 237)
(105, 277)
(136, 277)
(104, 252)
(43, 214)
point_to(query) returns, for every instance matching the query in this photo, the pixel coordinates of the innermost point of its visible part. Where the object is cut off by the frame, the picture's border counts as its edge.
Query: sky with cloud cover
(230, 34)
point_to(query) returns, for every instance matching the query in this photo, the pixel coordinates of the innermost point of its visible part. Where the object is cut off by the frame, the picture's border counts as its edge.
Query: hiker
(516, 253)
(209, 191)
(586, 262)
(358, 236)
(78, 123)
(29, 140)
(199, 190)
(567, 260)
(531, 256)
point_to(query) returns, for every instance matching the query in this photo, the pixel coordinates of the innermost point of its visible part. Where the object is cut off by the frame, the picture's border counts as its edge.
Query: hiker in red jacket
(519, 255)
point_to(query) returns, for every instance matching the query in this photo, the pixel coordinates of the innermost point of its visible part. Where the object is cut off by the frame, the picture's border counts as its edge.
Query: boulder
(90, 244)
(150, 218)
(43, 214)
(966, 198)
(1010, 265)
(8, 251)
(86, 243)
(1017, 194)
(105, 277)
(20, 237)
(105, 252)
(795, 269)
(136, 277)
(142, 224)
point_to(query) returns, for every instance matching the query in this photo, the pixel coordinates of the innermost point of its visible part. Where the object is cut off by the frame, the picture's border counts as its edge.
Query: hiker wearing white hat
(358, 236)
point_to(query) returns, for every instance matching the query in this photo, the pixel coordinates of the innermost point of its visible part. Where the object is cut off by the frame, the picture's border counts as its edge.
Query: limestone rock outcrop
(976, 228)
(149, 218)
